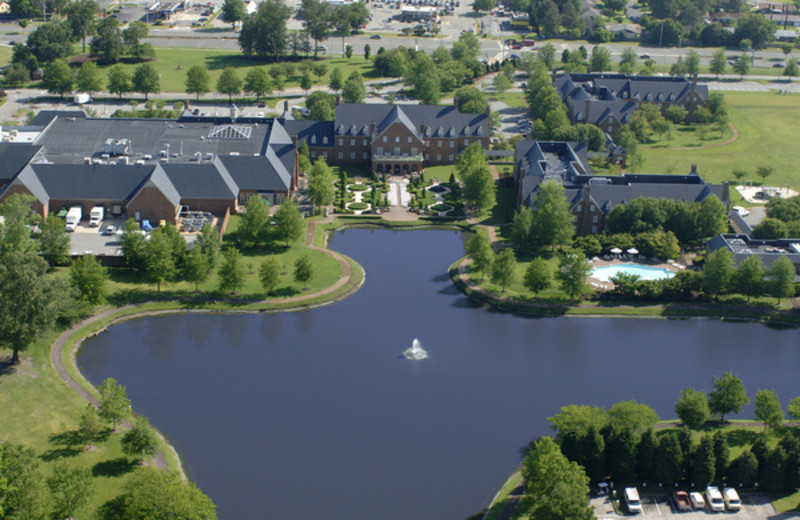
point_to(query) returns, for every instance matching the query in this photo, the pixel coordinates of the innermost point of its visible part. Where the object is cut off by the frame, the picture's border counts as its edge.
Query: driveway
(754, 507)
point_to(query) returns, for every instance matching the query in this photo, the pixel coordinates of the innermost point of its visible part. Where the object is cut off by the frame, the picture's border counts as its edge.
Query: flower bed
(358, 206)
(358, 187)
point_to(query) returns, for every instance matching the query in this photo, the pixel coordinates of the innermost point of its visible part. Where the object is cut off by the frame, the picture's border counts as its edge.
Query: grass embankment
(767, 126)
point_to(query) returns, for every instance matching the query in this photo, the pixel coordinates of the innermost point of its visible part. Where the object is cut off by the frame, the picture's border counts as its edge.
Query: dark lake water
(314, 415)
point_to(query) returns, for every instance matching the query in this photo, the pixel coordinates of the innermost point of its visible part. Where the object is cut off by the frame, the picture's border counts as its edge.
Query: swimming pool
(643, 271)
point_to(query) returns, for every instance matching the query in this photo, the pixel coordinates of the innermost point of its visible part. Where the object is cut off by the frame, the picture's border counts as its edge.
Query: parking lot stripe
(658, 509)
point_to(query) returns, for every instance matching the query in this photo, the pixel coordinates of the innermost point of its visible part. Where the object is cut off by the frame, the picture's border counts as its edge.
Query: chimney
(694, 170)
(455, 101)
(337, 100)
(372, 128)
(186, 104)
(286, 106)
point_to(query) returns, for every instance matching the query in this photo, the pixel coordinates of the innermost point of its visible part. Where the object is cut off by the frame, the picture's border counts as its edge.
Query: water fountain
(415, 352)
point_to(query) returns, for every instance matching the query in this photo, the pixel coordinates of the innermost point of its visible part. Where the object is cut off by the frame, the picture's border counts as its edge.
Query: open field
(768, 133)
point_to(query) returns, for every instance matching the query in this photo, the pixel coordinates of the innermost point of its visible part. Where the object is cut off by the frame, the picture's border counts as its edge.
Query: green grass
(686, 136)
(767, 126)
(173, 62)
(5, 55)
(497, 507)
(512, 99)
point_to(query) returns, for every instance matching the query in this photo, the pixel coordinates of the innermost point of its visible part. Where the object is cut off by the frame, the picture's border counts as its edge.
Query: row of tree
(782, 220)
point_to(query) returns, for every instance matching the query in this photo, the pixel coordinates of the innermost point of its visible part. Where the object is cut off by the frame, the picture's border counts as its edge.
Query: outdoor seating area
(193, 221)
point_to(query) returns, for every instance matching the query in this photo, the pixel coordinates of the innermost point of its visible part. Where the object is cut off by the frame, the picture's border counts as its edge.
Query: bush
(358, 206)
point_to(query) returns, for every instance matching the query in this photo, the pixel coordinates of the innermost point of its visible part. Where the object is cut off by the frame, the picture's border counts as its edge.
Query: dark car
(777, 65)
(375, 37)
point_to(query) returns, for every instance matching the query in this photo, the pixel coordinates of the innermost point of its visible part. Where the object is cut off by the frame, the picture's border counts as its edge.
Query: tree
(627, 63)
(257, 82)
(146, 80)
(479, 187)
(263, 33)
(718, 272)
(306, 82)
(29, 302)
(768, 408)
(676, 113)
(232, 271)
(114, 403)
(578, 419)
(669, 458)
(82, 16)
(89, 278)
(317, 18)
(367, 51)
(25, 495)
(781, 278)
(631, 415)
(692, 407)
(71, 487)
(321, 106)
(703, 462)
(160, 263)
(269, 273)
(482, 5)
(140, 440)
(756, 29)
(547, 53)
(107, 42)
(728, 396)
(791, 69)
(572, 272)
(289, 222)
(90, 425)
(557, 487)
(50, 41)
(303, 270)
(479, 250)
(620, 453)
(692, 62)
(321, 190)
(88, 78)
(712, 218)
(54, 241)
(197, 80)
(601, 59)
(196, 269)
(743, 469)
(770, 229)
(552, 220)
(119, 80)
(354, 90)
(719, 62)
(337, 80)
(503, 268)
(16, 75)
(471, 100)
(794, 408)
(742, 65)
(233, 11)
(152, 494)
(132, 38)
(254, 221)
(229, 83)
(750, 277)
(501, 83)
(58, 78)
(764, 171)
(537, 276)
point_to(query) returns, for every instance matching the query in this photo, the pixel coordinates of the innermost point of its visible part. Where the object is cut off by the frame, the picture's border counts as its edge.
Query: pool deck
(608, 260)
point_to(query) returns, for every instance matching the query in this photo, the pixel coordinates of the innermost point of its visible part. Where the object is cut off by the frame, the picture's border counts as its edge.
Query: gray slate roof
(84, 181)
(306, 130)
(14, 157)
(439, 121)
(209, 181)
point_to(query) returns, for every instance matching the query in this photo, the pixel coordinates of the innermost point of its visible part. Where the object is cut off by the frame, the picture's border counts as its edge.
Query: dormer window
(313, 139)
(324, 140)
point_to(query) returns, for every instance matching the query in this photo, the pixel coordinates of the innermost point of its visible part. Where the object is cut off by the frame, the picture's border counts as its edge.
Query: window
(352, 142)
(364, 142)
(439, 144)
(414, 150)
(364, 155)
(594, 219)
(427, 156)
(594, 229)
(397, 139)
(409, 140)
(379, 150)
(579, 207)
(438, 157)
(384, 138)
(341, 141)
(313, 153)
(325, 154)
(341, 155)
(610, 128)
(324, 140)
(352, 155)
(591, 208)
(452, 144)
(450, 157)
(574, 218)
(427, 144)
(466, 142)
(313, 139)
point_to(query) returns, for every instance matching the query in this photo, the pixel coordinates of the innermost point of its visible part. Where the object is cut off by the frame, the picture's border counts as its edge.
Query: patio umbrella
(633, 251)
(615, 251)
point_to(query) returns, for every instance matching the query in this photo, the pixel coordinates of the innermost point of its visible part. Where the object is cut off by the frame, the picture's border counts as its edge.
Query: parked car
(110, 230)
(777, 65)
(681, 501)
(632, 500)
(697, 501)
(743, 212)
(731, 498)
(375, 37)
(714, 499)
(644, 57)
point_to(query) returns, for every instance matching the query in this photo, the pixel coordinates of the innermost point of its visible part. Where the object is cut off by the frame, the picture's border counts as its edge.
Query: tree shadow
(6, 367)
(112, 509)
(738, 437)
(113, 467)
(66, 444)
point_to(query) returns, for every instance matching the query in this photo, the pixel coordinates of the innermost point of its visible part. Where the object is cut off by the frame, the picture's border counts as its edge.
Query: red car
(516, 46)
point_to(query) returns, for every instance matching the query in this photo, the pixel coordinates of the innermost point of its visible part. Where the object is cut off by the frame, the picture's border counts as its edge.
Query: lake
(314, 414)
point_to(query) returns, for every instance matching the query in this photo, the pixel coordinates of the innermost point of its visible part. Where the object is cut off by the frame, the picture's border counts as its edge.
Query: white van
(632, 500)
(696, 498)
(714, 499)
(732, 501)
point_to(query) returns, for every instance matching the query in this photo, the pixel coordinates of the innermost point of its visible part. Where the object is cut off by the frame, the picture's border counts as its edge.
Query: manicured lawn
(686, 136)
(173, 62)
(767, 126)
(512, 99)
(5, 55)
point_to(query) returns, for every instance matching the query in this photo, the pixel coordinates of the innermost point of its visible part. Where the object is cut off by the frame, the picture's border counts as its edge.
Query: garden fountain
(415, 352)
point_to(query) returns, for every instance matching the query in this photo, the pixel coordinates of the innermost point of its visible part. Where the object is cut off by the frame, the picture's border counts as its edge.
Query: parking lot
(95, 240)
(754, 507)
